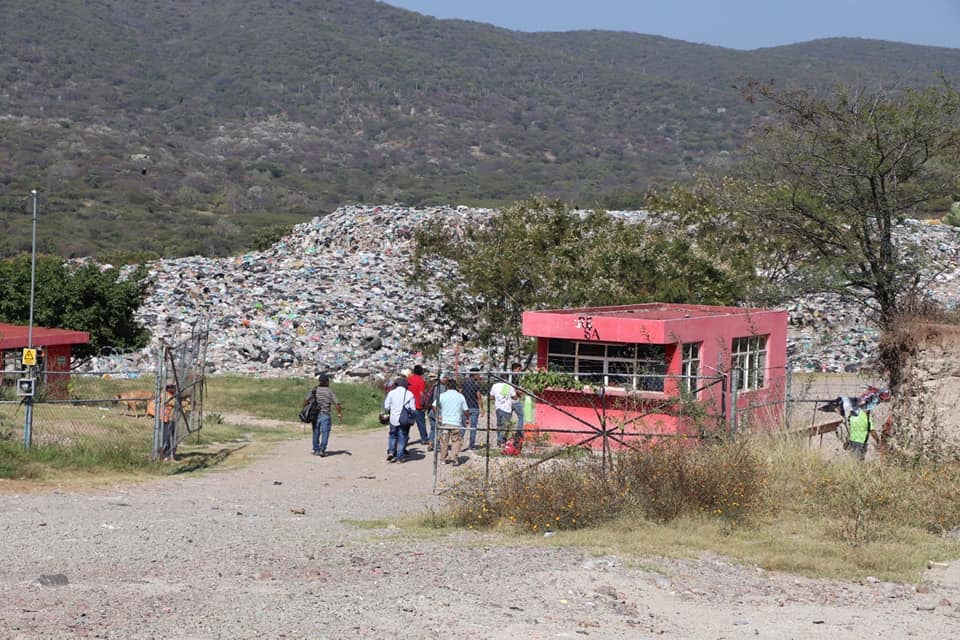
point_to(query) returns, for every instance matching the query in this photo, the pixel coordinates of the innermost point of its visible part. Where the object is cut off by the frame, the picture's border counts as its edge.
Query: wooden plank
(817, 429)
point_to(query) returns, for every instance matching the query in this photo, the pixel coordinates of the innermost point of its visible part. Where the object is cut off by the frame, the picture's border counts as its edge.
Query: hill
(191, 127)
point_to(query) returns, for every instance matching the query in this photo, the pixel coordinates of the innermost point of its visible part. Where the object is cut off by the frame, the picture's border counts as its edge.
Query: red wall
(57, 359)
(671, 325)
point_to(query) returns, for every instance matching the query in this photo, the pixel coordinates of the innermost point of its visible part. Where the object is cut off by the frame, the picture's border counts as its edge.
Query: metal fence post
(28, 420)
(157, 404)
(32, 369)
(734, 388)
(788, 412)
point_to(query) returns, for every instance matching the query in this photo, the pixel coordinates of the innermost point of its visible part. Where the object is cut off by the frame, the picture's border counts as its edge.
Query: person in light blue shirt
(452, 408)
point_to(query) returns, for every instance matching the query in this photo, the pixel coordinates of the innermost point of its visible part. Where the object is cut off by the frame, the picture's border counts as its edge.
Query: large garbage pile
(335, 295)
(834, 333)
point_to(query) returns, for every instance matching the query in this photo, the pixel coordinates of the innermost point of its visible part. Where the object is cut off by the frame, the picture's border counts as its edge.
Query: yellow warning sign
(30, 357)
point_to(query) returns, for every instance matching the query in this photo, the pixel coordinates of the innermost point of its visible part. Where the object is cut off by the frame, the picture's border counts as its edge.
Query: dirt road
(275, 550)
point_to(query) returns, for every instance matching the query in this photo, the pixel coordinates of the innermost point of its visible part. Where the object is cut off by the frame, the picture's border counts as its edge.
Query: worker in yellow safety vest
(860, 428)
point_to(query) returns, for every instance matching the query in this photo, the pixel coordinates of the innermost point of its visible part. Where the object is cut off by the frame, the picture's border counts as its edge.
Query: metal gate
(180, 388)
(595, 420)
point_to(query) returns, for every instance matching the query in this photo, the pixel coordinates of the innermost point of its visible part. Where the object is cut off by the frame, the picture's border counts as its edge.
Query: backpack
(310, 409)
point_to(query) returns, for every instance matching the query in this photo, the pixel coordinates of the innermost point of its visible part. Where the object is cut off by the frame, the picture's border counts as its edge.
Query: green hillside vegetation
(162, 129)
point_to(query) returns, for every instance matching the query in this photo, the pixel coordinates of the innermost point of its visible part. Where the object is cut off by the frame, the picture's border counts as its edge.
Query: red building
(646, 365)
(54, 349)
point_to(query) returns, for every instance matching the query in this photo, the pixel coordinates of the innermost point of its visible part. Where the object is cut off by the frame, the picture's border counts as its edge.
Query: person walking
(452, 409)
(503, 395)
(325, 400)
(473, 392)
(430, 398)
(398, 398)
(417, 386)
(169, 433)
(516, 369)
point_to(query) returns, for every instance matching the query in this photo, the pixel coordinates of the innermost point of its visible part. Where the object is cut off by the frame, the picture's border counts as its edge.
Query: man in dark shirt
(326, 399)
(474, 393)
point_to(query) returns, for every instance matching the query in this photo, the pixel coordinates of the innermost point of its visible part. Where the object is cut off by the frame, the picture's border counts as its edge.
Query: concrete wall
(671, 325)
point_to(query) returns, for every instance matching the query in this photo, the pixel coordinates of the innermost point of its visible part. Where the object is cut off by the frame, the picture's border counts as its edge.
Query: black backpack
(310, 408)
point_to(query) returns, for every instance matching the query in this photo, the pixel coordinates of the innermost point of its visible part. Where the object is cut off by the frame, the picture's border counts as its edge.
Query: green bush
(953, 217)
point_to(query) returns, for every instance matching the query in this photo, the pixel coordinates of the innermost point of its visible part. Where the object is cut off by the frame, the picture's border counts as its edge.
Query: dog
(134, 403)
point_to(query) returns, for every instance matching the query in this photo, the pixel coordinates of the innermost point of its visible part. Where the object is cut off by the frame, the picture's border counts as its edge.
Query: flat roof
(656, 311)
(14, 336)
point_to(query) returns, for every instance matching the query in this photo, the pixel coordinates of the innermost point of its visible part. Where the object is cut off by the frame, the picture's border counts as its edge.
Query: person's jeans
(397, 441)
(168, 444)
(421, 425)
(503, 424)
(403, 436)
(518, 409)
(472, 425)
(321, 432)
(433, 428)
(392, 436)
(858, 450)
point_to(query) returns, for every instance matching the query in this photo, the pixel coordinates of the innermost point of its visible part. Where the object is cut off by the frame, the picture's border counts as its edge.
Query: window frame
(690, 353)
(644, 370)
(749, 354)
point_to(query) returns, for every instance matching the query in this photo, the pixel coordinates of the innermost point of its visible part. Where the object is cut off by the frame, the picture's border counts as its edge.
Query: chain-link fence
(77, 410)
(541, 415)
(810, 394)
(180, 387)
(110, 409)
(544, 415)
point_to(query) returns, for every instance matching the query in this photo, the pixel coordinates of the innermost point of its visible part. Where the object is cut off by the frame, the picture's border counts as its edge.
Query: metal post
(606, 453)
(159, 399)
(486, 458)
(788, 409)
(734, 393)
(31, 371)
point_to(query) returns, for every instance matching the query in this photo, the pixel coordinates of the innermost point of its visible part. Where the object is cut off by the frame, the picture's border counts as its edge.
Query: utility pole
(29, 387)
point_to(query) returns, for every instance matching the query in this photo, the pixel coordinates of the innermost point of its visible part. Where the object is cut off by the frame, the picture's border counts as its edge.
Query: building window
(690, 368)
(634, 366)
(750, 357)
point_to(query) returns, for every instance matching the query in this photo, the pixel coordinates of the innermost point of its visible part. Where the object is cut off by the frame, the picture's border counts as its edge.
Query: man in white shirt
(396, 400)
(503, 396)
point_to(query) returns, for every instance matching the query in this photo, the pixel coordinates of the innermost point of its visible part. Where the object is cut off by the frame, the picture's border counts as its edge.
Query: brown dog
(134, 402)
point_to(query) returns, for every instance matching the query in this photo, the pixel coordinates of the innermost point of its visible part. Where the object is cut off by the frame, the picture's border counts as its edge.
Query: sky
(737, 24)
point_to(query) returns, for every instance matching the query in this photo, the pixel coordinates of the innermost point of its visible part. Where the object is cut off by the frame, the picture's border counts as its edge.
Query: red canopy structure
(54, 347)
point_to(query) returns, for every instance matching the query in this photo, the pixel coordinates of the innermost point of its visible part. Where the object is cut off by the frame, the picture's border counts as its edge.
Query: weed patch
(806, 514)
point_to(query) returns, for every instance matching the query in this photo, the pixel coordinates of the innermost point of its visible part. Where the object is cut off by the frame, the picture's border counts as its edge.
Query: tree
(816, 204)
(539, 254)
(81, 297)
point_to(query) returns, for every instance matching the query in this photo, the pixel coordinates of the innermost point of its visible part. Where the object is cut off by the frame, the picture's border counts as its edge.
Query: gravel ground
(274, 551)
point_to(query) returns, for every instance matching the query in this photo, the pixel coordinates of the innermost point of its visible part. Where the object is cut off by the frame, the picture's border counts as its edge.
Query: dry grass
(771, 502)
